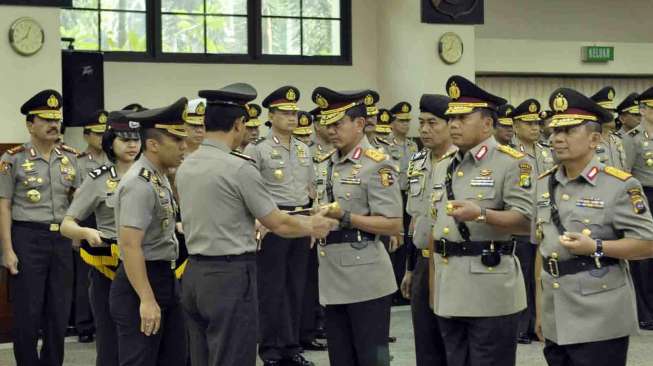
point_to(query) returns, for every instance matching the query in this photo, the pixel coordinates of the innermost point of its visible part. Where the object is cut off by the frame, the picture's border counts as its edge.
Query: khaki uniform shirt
(611, 152)
(403, 151)
(89, 162)
(541, 155)
(639, 155)
(39, 189)
(499, 178)
(599, 304)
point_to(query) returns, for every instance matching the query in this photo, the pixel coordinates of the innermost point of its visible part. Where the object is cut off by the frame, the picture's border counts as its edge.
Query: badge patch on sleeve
(525, 175)
(386, 177)
(4, 166)
(637, 200)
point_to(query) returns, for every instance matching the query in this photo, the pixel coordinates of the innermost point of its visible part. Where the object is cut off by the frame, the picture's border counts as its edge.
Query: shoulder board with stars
(322, 157)
(145, 174)
(617, 173)
(243, 156)
(258, 140)
(448, 155)
(15, 150)
(634, 132)
(419, 155)
(548, 172)
(96, 173)
(69, 149)
(510, 151)
(375, 155)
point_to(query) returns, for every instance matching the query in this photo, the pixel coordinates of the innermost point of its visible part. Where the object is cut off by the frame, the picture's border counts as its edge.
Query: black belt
(557, 268)
(348, 236)
(448, 248)
(294, 208)
(245, 257)
(53, 227)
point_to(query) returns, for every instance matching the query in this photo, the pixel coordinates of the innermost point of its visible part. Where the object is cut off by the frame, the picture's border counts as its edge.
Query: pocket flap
(368, 255)
(613, 279)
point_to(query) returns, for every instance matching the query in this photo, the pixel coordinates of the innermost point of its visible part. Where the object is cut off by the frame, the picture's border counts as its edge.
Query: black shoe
(272, 363)
(392, 339)
(524, 338)
(298, 360)
(314, 345)
(646, 325)
(85, 338)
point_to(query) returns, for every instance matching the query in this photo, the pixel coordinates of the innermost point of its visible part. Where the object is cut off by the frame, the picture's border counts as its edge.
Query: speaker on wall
(83, 86)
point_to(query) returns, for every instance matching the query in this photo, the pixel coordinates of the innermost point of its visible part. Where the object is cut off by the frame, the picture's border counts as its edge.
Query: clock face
(26, 36)
(450, 48)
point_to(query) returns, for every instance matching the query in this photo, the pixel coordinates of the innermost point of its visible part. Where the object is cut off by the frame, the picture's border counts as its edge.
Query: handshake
(316, 222)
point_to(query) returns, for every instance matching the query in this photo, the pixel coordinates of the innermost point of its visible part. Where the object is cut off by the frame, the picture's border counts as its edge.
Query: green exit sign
(597, 54)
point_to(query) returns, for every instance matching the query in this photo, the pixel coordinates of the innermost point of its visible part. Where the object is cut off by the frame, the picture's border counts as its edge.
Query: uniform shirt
(599, 304)
(220, 194)
(610, 151)
(145, 201)
(97, 196)
(287, 173)
(403, 151)
(495, 177)
(639, 155)
(364, 183)
(541, 155)
(39, 189)
(89, 162)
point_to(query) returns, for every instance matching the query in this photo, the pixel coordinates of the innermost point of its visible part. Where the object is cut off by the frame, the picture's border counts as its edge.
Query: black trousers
(81, 304)
(483, 341)
(282, 265)
(41, 295)
(642, 274)
(526, 253)
(168, 346)
(221, 307)
(612, 352)
(312, 313)
(357, 333)
(429, 345)
(106, 340)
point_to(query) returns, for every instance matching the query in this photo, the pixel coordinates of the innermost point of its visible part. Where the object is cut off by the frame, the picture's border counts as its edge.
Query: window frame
(154, 50)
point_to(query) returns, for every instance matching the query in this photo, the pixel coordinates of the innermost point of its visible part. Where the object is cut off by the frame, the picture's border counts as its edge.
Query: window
(242, 31)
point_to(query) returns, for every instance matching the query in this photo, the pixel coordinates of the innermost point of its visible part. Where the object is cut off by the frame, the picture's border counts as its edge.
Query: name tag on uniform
(590, 203)
(350, 180)
(482, 182)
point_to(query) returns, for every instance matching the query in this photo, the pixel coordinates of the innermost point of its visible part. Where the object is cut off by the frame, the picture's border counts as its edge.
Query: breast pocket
(367, 255)
(416, 185)
(275, 170)
(589, 221)
(349, 195)
(485, 196)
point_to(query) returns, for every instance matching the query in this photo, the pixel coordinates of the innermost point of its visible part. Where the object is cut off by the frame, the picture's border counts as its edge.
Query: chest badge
(33, 196)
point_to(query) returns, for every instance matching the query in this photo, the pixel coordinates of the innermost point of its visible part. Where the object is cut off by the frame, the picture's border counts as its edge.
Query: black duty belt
(348, 236)
(53, 227)
(448, 248)
(290, 209)
(245, 257)
(557, 268)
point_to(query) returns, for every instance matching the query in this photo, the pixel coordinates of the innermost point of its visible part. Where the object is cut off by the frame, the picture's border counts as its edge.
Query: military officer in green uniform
(610, 150)
(99, 248)
(434, 133)
(355, 272)
(486, 198)
(590, 218)
(144, 297)
(628, 114)
(503, 131)
(37, 180)
(194, 123)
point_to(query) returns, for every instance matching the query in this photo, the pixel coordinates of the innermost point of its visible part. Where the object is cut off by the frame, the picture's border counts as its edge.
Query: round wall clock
(26, 36)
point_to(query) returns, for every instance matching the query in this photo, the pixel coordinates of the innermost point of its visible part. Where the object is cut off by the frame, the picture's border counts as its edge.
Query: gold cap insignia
(303, 121)
(385, 117)
(200, 109)
(560, 103)
(508, 111)
(532, 107)
(252, 112)
(405, 108)
(611, 95)
(454, 91)
(53, 102)
(321, 102)
(102, 119)
(291, 95)
(369, 99)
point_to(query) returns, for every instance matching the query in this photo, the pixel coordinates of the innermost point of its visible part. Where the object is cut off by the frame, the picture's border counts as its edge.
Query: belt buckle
(54, 227)
(173, 265)
(444, 248)
(553, 268)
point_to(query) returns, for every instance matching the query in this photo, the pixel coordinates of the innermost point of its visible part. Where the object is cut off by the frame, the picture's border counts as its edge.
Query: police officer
(503, 131)
(546, 116)
(610, 150)
(355, 272)
(122, 145)
(371, 99)
(628, 114)
(527, 125)
(487, 196)
(220, 297)
(638, 144)
(434, 133)
(304, 130)
(144, 299)
(194, 123)
(252, 125)
(322, 144)
(590, 218)
(37, 180)
(287, 169)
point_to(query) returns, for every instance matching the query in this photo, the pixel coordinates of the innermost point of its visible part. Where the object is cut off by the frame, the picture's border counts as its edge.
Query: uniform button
(554, 255)
(545, 195)
(565, 197)
(556, 285)
(445, 260)
(460, 174)
(348, 195)
(586, 221)
(445, 230)
(604, 286)
(490, 269)
(336, 174)
(480, 195)
(322, 253)
(358, 257)
(281, 163)
(649, 162)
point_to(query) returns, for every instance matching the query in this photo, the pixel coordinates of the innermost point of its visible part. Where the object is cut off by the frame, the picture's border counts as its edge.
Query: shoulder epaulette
(69, 149)
(615, 136)
(448, 155)
(544, 144)
(375, 155)
(145, 174)
(323, 157)
(617, 173)
(633, 132)
(96, 173)
(419, 155)
(383, 141)
(16, 149)
(510, 151)
(82, 154)
(243, 156)
(548, 172)
(258, 140)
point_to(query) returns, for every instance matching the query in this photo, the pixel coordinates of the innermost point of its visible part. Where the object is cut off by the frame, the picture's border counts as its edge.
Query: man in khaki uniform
(194, 123)
(610, 150)
(304, 130)
(252, 126)
(37, 180)
(503, 131)
(355, 272)
(590, 218)
(628, 114)
(487, 197)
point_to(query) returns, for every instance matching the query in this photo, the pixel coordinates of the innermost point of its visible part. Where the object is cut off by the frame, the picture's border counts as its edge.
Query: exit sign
(597, 54)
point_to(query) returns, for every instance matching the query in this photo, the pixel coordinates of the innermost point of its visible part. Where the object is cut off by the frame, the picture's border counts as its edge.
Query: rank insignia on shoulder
(96, 173)
(243, 156)
(510, 151)
(323, 157)
(259, 140)
(375, 155)
(145, 174)
(419, 155)
(617, 173)
(634, 132)
(548, 172)
(15, 150)
(637, 200)
(69, 149)
(448, 155)
(387, 179)
(383, 141)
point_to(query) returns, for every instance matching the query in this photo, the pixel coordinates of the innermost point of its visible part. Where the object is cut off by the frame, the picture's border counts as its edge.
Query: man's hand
(261, 230)
(394, 244)
(406, 284)
(92, 236)
(150, 317)
(578, 244)
(180, 228)
(10, 261)
(321, 224)
(463, 211)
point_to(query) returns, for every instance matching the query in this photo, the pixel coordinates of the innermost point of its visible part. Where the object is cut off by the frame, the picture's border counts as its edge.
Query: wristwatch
(598, 254)
(482, 218)
(345, 220)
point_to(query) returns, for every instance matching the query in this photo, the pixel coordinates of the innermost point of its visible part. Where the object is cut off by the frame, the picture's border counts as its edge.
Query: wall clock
(26, 36)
